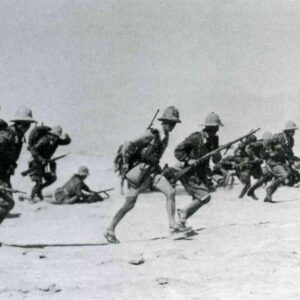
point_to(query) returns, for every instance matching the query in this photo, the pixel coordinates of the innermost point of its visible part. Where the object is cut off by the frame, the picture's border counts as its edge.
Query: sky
(101, 69)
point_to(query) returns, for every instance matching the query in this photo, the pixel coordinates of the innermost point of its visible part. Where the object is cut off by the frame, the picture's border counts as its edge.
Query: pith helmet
(267, 136)
(56, 130)
(290, 125)
(23, 114)
(212, 119)
(171, 113)
(83, 171)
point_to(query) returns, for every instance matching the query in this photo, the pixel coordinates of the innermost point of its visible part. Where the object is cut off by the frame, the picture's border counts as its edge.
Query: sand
(244, 249)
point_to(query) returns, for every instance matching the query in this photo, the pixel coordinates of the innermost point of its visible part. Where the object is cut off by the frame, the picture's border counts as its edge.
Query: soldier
(239, 165)
(275, 169)
(286, 139)
(226, 169)
(44, 170)
(260, 150)
(75, 190)
(141, 169)
(11, 142)
(195, 181)
(249, 165)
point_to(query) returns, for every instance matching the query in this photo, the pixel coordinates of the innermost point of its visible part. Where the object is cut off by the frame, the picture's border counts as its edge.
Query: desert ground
(243, 249)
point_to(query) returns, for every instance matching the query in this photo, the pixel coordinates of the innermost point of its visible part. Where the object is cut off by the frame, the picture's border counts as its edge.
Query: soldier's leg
(161, 184)
(245, 179)
(130, 201)
(71, 200)
(280, 177)
(6, 204)
(37, 188)
(265, 176)
(50, 177)
(200, 195)
(37, 177)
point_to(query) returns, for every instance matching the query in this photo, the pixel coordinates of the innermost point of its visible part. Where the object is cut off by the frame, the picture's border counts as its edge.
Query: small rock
(51, 288)
(42, 256)
(162, 280)
(23, 291)
(137, 260)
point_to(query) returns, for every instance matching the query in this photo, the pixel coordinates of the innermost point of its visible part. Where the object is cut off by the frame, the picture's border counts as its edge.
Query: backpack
(145, 154)
(3, 125)
(5, 146)
(36, 134)
(118, 161)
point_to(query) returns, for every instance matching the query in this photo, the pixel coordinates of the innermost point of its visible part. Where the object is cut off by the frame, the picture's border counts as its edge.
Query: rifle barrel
(209, 154)
(153, 119)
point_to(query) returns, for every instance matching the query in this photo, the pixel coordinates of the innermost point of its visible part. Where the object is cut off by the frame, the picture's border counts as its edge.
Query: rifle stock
(209, 154)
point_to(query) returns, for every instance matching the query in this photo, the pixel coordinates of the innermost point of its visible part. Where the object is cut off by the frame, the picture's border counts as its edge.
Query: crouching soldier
(43, 169)
(275, 170)
(75, 190)
(195, 181)
(141, 169)
(11, 142)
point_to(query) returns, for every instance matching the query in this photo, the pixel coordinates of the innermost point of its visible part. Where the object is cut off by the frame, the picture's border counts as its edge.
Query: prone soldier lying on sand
(75, 190)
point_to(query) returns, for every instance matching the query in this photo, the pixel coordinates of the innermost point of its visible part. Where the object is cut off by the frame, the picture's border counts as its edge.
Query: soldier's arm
(86, 188)
(183, 150)
(238, 149)
(65, 141)
(217, 156)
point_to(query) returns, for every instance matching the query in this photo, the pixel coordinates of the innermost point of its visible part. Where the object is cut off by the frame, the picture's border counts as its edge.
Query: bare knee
(171, 194)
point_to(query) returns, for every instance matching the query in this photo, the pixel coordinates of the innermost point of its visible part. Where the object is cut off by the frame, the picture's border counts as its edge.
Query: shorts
(157, 182)
(195, 188)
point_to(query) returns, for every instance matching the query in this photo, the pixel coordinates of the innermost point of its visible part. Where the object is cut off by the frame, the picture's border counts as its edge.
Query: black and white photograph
(149, 149)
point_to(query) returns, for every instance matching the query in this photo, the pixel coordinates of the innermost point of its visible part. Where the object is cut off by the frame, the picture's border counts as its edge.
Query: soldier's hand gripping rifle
(3, 188)
(209, 154)
(104, 192)
(248, 162)
(30, 170)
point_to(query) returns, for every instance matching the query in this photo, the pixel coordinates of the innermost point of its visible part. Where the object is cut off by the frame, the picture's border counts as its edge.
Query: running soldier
(249, 164)
(11, 142)
(286, 139)
(276, 169)
(195, 181)
(141, 169)
(43, 169)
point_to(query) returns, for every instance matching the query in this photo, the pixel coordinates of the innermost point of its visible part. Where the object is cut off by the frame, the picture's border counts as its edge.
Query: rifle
(11, 190)
(209, 154)
(250, 162)
(28, 171)
(105, 192)
(151, 123)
